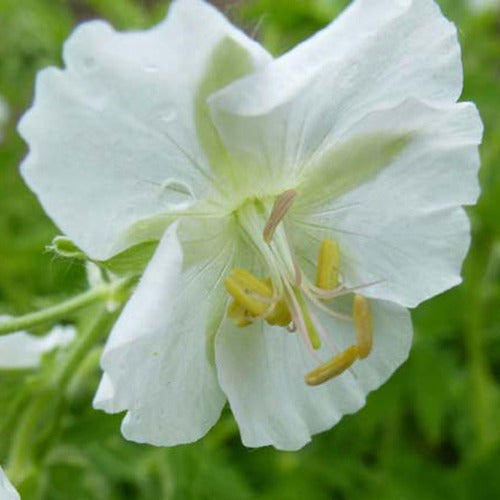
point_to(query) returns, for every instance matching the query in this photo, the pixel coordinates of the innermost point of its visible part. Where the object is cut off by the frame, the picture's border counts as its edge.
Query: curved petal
(157, 363)
(104, 398)
(114, 137)
(401, 224)
(373, 56)
(7, 491)
(21, 350)
(261, 369)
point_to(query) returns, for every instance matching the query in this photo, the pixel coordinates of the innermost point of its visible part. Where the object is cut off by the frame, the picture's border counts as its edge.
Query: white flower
(347, 157)
(7, 491)
(22, 350)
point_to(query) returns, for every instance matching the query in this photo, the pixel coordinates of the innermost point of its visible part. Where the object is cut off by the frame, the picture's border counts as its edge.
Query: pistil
(279, 210)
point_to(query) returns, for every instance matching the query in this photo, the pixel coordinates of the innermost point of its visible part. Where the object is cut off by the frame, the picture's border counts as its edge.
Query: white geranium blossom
(301, 205)
(22, 350)
(7, 491)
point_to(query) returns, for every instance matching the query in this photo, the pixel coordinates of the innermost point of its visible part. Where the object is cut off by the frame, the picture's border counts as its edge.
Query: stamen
(254, 300)
(298, 318)
(340, 290)
(236, 312)
(262, 298)
(363, 325)
(309, 323)
(323, 335)
(279, 315)
(241, 284)
(337, 365)
(296, 267)
(286, 298)
(327, 277)
(328, 310)
(280, 208)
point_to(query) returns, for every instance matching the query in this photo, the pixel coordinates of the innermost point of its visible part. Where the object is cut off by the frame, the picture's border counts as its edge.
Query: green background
(432, 431)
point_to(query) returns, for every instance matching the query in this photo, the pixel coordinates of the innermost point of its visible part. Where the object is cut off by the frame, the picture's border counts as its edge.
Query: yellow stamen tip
(363, 325)
(337, 365)
(327, 276)
(253, 298)
(242, 286)
(280, 315)
(236, 312)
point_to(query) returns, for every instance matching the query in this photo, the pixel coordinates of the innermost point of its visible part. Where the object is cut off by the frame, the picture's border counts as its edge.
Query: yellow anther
(311, 329)
(334, 367)
(280, 208)
(240, 316)
(253, 298)
(327, 276)
(279, 314)
(244, 287)
(252, 283)
(363, 325)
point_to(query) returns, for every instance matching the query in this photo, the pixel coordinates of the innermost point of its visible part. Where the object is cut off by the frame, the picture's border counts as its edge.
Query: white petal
(7, 491)
(158, 362)
(404, 225)
(112, 137)
(22, 350)
(373, 56)
(261, 369)
(104, 398)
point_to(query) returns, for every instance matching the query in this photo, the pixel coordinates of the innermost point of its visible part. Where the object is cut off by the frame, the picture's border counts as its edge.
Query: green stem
(20, 456)
(64, 309)
(21, 452)
(474, 335)
(81, 347)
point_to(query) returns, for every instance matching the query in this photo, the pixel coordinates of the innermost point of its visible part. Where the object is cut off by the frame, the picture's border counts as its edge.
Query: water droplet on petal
(176, 194)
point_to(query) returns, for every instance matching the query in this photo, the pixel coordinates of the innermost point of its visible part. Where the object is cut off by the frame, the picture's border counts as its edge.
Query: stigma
(287, 298)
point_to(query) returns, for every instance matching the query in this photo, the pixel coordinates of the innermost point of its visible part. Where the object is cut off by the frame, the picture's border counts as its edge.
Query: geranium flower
(7, 491)
(301, 206)
(21, 350)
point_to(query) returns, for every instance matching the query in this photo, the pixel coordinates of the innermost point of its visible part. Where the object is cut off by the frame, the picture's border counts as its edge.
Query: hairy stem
(64, 309)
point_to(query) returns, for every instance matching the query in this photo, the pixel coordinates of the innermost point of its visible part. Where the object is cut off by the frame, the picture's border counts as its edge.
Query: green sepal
(132, 261)
(64, 247)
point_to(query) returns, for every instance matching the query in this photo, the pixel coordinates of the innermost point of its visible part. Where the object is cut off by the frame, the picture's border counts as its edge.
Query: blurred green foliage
(432, 431)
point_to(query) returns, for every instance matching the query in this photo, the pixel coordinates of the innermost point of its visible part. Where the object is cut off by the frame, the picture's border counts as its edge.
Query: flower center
(287, 297)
